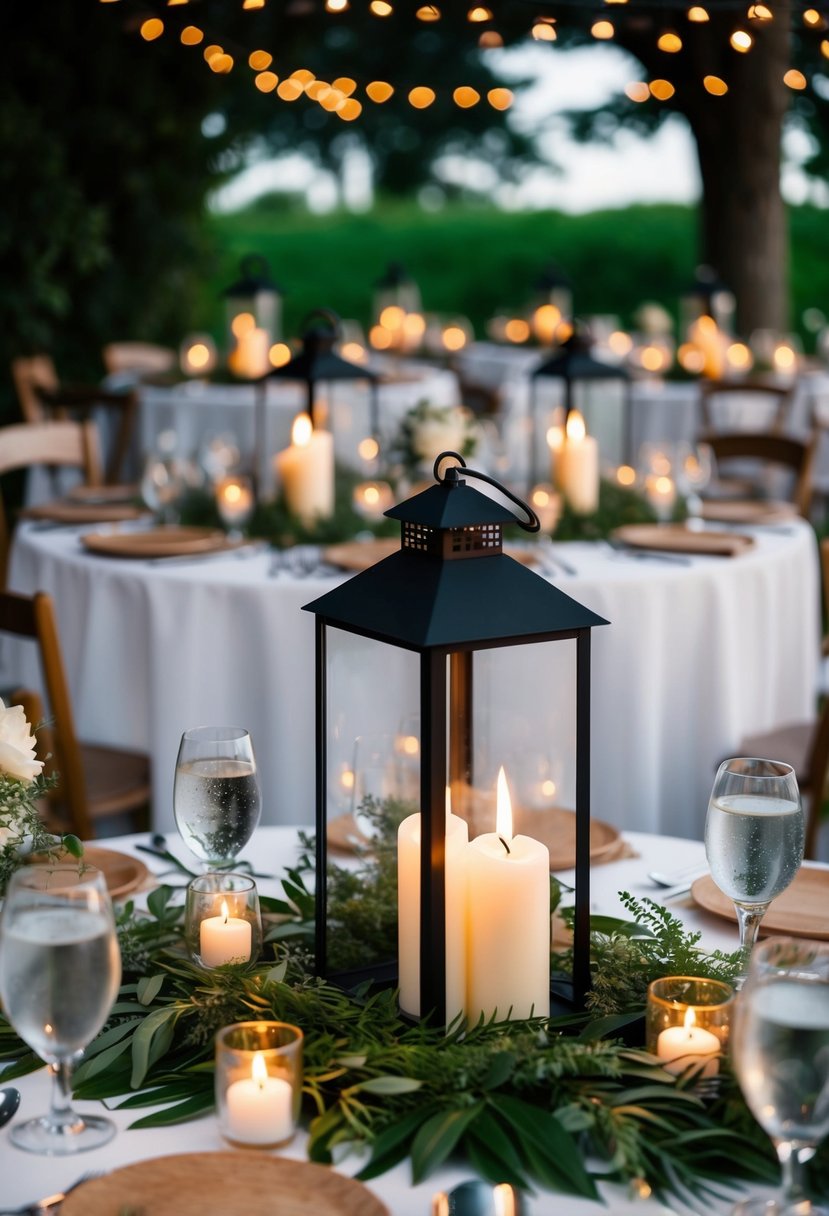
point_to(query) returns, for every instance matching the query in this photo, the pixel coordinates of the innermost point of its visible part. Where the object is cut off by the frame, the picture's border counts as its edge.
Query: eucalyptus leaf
(389, 1085)
(150, 1042)
(149, 987)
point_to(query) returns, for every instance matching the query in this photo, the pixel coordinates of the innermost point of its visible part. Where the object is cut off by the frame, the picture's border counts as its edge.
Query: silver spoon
(9, 1102)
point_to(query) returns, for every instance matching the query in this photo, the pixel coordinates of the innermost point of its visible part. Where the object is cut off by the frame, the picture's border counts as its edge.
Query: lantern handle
(532, 524)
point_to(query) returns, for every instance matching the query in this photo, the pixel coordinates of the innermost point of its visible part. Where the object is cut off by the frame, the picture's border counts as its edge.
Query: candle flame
(576, 430)
(302, 430)
(225, 911)
(503, 807)
(690, 1019)
(259, 1069)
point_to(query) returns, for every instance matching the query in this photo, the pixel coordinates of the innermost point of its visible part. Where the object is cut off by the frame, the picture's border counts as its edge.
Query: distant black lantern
(707, 296)
(395, 289)
(400, 637)
(573, 363)
(552, 303)
(253, 301)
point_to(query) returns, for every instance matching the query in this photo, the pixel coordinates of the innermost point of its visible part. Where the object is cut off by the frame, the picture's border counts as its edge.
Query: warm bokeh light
(380, 8)
(575, 428)
(500, 99)
(760, 12)
(337, 6)
(669, 42)
(253, 3)
(602, 30)
(824, 48)
(242, 323)
(739, 356)
(541, 497)
(350, 109)
(380, 337)
(151, 29)
(715, 85)
(266, 82)
(490, 39)
(555, 438)
(221, 64)
(784, 358)
(428, 12)
(302, 430)
(345, 85)
(813, 18)
(464, 96)
(414, 325)
(279, 354)
(379, 91)
(620, 343)
(637, 90)
(316, 88)
(367, 449)
(211, 51)
(794, 79)
(545, 322)
(662, 89)
(198, 355)
(544, 31)
(742, 41)
(392, 316)
(409, 744)
(191, 35)
(347, 779)
(421, 97)
(517, 330)
(454, 338)
(653, 358)
(625, 475)
(548, 788)
(691, 358)
(479, 13)
(698, 14)
(289, 90)
(259, 60)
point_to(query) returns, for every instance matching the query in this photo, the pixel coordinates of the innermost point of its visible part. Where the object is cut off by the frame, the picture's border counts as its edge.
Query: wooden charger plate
(101, 495)
(801, 911)
(122, 873)
(89, 512)
(223, 1184)
(356, 555)
(747, 511)
(168, 541)
(554, 827)
(675, 538)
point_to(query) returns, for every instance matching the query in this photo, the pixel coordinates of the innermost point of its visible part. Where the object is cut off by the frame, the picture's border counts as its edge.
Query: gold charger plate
(801, 911)
(89, 512)
(223, 1184)
(356, 555)
(554, 827)
(101, 495)
(675, 538)
(123, 874)
(168, 541)
(747, 511)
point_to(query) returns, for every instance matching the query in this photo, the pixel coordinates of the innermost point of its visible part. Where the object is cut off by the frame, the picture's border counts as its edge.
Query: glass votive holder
(258, 1082)
(477, 1198)
(235, 502)
(688, 1023)
(222, 923)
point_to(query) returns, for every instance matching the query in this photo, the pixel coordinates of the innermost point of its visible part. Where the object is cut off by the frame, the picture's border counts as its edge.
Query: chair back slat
(795, 454)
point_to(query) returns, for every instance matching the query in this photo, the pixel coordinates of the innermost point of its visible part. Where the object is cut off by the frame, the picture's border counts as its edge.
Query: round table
(26, 1176)
(696, 656)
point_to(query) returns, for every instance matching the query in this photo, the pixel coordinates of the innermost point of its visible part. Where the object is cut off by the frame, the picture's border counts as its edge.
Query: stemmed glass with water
(780, 1052)
(754, 837)
(216, 798)
(60, 968)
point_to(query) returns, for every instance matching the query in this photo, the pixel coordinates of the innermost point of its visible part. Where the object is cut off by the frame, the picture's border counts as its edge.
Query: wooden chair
(780, 451)
(805, 746)
(42, 396)
(770, 409)
(96, 783)
(145, 359)
(57, 444)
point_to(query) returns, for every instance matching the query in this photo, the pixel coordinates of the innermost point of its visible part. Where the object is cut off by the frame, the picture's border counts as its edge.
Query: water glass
(754, 836)
(216, 800)
(60, 968)
(780, 1051)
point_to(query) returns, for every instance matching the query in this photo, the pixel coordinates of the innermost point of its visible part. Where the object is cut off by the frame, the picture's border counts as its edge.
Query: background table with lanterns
(699, 652)
(25, 1177)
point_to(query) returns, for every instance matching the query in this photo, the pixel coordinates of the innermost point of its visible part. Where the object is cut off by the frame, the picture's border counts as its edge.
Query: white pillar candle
(306, 470)
(579, 463)
(224, 939)
(259, 1108)
(508, 922)
(251, 358)
(555, 442)
(711, 343)
(408, 913)
(680, 1046)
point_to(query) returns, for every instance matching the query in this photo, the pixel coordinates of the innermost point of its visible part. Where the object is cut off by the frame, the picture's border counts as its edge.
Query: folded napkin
(676, 538)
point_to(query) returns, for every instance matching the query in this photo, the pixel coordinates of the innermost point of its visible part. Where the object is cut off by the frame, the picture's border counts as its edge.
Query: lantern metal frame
(254, 289)
(450, 591)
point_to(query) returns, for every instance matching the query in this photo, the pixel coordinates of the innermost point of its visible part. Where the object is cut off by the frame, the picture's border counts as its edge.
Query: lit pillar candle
(555, 442)
(508, 922)
(711, 343)
(259, 1108)
(579, 460)
(408, 913)
(224, 939)
(306, 470)
(681, 1046)
(251, 358)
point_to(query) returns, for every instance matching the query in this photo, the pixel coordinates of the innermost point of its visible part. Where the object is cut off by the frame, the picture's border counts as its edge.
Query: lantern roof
(573, 361)
(255, 276)
(451, 504)
(317, 360)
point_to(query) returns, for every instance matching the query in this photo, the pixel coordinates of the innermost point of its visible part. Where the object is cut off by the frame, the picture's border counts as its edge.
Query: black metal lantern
(707, 296)
(254, 301)
(552, 303)
(447, 594)
(573, 363)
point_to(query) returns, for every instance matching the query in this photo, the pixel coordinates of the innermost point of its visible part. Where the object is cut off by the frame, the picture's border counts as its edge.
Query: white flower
(17, 746)
(434, 435)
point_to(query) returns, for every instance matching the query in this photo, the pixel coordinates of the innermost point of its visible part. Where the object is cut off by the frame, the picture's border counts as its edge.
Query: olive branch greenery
(526, 1102)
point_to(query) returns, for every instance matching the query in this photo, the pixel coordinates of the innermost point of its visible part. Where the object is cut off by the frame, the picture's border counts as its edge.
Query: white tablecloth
(696, 656)
(24, 1177)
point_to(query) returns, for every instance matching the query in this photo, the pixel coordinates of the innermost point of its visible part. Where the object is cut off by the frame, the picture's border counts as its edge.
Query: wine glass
(780, 1051)
(216, 798)
(60, 968)
(695, 465)
(754, 835)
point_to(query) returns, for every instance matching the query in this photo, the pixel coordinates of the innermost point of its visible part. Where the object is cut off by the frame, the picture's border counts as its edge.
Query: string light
(253, 3)
(813, 18)
(381, 8)
(428, 12)
(345, 85)
(500, 99)
(464, 96)
(742, 41)
(715, 86)
(824, 48)
(421, 97)
(379, 91)
(191, 35)
(259, 60)
(266, 82)
(637, 90)
(337, 6)
(602, 30)
(490, 39)
(213, 49)
(794, 79)
(289, 90)
(544, 31)
(151, 29)
(479, 13)
(350, 110)
(221, 64)
(662, 90)
(669, 42)
(698, 14)
(760, 12)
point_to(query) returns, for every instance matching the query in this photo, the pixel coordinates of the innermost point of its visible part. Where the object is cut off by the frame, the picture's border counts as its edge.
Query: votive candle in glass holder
(234, 502)
(688, 1023)
(258, 1082)
(372, 499)
(222, 920)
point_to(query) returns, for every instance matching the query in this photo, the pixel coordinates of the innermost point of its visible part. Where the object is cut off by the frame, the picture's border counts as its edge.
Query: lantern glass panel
(602, 404)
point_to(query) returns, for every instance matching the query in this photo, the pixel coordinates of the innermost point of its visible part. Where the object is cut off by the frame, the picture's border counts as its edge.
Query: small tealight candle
(259, 1108)
(661, 492)
(547, 505)
(689, 1045)
(197, 355)
(234, 500)
(224, 939)
(372, 499)
(251, 358)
